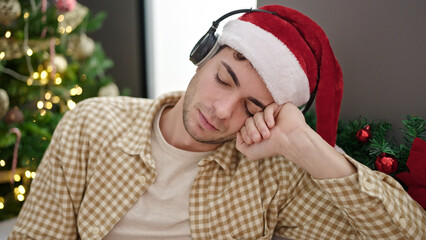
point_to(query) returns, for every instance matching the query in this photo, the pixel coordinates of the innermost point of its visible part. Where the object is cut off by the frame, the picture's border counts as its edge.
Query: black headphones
(208, 45)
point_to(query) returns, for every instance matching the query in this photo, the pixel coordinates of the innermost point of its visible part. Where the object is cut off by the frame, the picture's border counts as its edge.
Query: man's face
(221, 96)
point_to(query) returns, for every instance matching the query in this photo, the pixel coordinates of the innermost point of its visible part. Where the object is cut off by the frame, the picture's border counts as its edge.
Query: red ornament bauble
(363, 135)
(14, 115)
(386, 163)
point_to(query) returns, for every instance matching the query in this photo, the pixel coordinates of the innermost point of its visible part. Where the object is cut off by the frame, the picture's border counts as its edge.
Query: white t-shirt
(163, 210)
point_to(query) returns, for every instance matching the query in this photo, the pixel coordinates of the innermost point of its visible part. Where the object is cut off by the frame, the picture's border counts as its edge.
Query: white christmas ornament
(9, 11)
(60, 63)
(81, 46)
(109, 90)
(4, 102)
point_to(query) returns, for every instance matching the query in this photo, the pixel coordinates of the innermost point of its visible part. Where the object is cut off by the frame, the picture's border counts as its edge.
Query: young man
(231, 158)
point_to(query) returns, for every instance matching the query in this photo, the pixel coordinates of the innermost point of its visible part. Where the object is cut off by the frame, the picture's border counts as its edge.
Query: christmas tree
(47, 65)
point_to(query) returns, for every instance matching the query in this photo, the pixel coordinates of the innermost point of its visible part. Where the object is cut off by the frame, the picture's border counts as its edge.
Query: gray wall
(119, 37)
(381, 48)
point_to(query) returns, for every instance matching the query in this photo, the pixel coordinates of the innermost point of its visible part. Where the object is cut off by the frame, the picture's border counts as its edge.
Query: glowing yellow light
(48, 95)
(78, 90)
(44, 81)
(58, 80)
(56, 99)
(8, 34)
(61, 30)
(36, 75)
(21, 189)
(49, 105)
(30, 81)
(29, 52)
(49, 68)
(43, 74)
(16, 191)
(57, 41)
(71, 104)
(43, 113)
(73, 91)
(20, 197)
(61, 18)
(40, 104)
(68, 29)
(33, 174)
(1, 205)
(27, 174)
(17, 178)
(2, 163)
(26, 14)
(2, 54)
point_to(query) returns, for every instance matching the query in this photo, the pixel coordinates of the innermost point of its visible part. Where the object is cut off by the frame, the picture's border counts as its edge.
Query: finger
(269, 115)
(252, 130)
(259, 121)
(244, 135)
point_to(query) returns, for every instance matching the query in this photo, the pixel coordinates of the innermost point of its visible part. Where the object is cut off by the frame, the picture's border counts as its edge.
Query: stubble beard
(187, 104)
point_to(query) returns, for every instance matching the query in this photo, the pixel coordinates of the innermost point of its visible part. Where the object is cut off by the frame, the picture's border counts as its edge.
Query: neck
(174, 132)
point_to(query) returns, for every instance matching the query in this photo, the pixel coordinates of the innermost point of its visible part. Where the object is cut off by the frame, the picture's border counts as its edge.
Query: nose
(225, 106)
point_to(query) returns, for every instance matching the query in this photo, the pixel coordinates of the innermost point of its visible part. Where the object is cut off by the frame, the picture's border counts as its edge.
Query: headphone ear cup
(204, 48)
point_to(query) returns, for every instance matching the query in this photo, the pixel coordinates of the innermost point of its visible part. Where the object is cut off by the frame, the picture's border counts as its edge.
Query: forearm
(307, 149)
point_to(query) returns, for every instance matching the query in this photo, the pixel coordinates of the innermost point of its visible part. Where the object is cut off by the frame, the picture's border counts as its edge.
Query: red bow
(416, 178)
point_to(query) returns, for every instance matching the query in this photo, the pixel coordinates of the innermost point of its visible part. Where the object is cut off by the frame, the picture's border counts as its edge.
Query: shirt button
(368, 185)
(142, 179)
(94, 230)
(403, 222)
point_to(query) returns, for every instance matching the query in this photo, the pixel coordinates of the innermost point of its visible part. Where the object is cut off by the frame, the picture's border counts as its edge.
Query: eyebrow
(232, 73)
(237, 83)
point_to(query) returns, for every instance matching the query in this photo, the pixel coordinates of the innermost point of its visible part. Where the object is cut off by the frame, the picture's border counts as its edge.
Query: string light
(26, 15)
(43, 74)
(2, 54)
(2, 163)
(17, 178)
(36, 75)
(49, 68)
(68, 29)
(28, 174)
(40, 104)
(49, 105)
(56, 99)
(58, 80)
(48, 95)
(29, 52)
(20, 197)
(30, 81)
(43, 113)
(8, 34)
(33, 175)
(61, 18)
(1, 202)
(71, 104)
(44, 81)
(61, 30)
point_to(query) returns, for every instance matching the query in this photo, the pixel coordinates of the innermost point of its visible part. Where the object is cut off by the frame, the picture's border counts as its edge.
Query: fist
(267, 132)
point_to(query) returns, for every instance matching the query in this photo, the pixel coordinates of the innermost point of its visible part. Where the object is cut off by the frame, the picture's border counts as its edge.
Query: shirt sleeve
(376, 205)
(50, 210)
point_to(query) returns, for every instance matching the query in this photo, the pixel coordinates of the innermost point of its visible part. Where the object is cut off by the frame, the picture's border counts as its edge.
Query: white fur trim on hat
(275, 63)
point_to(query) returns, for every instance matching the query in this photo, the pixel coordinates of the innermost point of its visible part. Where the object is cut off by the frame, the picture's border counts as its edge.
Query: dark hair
(237, 55)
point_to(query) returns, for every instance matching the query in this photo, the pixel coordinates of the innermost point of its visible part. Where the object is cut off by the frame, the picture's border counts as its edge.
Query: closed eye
(218, 80)
(247, 110)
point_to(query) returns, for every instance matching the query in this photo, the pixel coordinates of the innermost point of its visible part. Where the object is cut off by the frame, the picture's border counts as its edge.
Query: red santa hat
(292, 54)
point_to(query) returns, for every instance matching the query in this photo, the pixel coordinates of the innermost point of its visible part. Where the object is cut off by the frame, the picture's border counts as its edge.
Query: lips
(205, 123)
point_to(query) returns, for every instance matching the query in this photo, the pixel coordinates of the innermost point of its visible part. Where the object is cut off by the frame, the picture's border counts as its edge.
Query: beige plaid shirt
(99, 164)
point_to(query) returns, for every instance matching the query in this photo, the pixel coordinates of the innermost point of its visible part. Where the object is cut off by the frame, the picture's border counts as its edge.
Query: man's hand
(281, 129)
